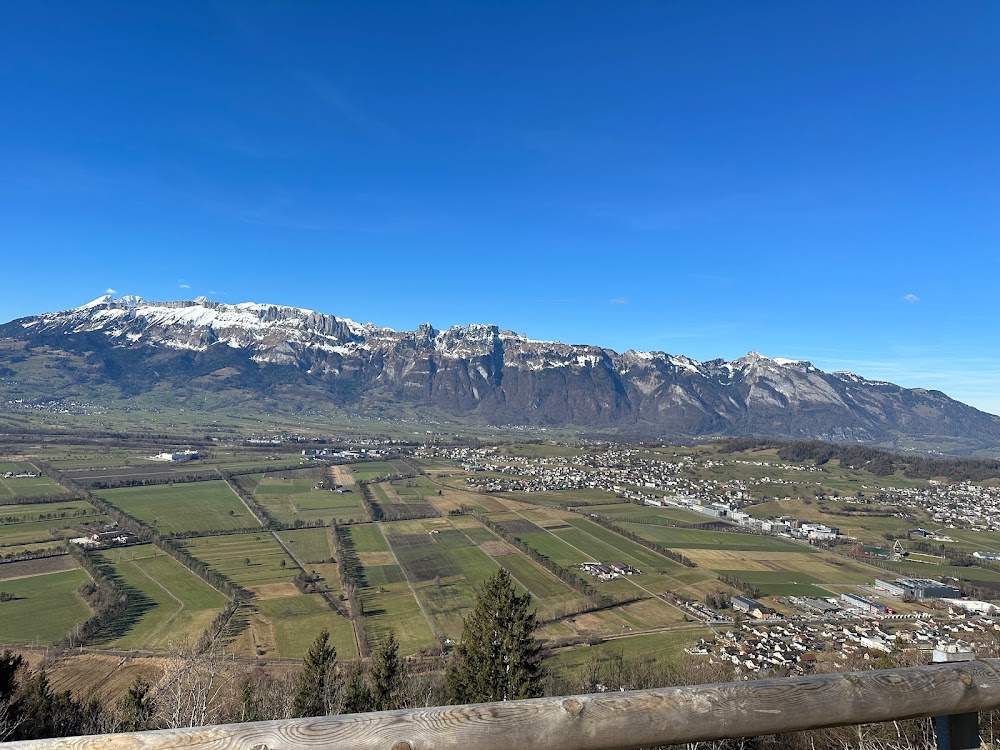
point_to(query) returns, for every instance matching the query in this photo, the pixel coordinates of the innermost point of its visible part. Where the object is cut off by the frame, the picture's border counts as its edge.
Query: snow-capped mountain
(293, 356)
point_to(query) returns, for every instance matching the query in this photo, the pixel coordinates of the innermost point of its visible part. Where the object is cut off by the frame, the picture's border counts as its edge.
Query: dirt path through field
(485, 551)
(630, 579)
(169, 593)
(409, 583)
(327, 597)
(232, 489)
(343, 475)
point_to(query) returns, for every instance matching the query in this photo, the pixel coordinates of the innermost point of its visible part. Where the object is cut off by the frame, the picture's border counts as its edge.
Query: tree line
(59, 497)
(876, 460)
(633, 537)
(566, 576)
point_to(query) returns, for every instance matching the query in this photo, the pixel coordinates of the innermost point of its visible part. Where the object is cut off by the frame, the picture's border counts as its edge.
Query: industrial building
(752, 607)
(919, 588)
(744, 604)
(865, 605)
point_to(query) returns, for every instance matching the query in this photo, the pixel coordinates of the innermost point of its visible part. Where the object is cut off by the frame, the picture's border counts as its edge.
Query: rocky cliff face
(479, 372)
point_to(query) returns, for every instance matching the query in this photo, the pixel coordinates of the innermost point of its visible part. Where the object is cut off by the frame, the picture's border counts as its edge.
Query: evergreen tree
(248, 701)
(498, 657)
(137, 708)
(357, 697)
(387, 675)
(44, 713)
(317, 683)
(10, 665)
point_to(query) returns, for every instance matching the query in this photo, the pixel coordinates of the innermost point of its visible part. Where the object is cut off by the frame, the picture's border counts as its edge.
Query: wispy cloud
(109, 290)
(345, 108)
(181, 284)
(618, 301)
(910, 298)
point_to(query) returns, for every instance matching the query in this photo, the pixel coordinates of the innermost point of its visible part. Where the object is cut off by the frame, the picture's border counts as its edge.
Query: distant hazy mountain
(210, 354)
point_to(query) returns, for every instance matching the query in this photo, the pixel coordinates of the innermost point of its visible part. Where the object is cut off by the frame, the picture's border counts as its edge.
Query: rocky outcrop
(479, 372)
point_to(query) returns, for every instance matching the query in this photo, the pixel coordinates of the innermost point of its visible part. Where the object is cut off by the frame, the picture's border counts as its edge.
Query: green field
(183, 507)
(299, 618)
(168, 606)
(633, 552)
(668, 515)
(392, 606)
(47, 607)
(779, 583)
(308, 545)
(29, 487)
(678, 538)
(231, 554)
(367, 538)
(416, 489)
(655, 646)
(446, 575)
(63, 511)
(373, 469)
(35, 532)
(291, 499)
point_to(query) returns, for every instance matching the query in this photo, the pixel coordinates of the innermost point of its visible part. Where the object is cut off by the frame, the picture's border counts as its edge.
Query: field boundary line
(168, 591)
(325, 594)
(242, 501)
(630, 579)
(406, 577)
(516, 552)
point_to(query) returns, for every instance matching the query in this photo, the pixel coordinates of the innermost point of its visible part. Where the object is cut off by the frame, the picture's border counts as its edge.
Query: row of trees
(633, 537)
(59, 497)
(351, 579)
(52, 516)
(103, 594)
(877, 461)
(566, 576)
(740, 584)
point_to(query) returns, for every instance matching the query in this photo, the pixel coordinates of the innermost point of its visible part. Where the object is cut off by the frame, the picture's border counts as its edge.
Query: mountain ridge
(478, 372)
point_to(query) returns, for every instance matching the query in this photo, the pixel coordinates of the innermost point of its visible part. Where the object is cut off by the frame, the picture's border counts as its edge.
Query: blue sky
(810, 180)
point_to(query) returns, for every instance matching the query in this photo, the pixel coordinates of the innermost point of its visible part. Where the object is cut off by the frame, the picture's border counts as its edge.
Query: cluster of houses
(109, 536)
(21, 474)
(956, 505)
(609, 571)
(627, 472)
(331, 454)
(755, 646)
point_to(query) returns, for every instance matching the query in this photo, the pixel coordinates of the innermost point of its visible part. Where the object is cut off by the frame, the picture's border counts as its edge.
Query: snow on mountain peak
(102, 300)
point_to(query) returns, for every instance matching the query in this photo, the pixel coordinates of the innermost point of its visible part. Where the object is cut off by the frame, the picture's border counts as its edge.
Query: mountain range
(211, 355)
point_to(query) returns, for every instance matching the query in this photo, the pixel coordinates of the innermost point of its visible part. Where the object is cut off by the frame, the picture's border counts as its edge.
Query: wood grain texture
(605, 721)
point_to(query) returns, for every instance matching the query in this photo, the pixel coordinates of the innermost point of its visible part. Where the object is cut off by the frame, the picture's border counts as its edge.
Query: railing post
(958, 731)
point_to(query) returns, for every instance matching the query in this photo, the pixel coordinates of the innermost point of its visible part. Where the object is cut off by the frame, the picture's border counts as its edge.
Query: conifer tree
(137, 707)
(387, 675)
(498, 657)
(357, 698)
(317, 683)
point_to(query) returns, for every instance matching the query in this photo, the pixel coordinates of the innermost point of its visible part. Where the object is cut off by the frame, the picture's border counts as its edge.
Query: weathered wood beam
(606, 721)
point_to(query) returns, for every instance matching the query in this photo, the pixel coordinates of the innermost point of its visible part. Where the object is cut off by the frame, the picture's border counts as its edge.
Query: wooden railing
(618, 721)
